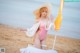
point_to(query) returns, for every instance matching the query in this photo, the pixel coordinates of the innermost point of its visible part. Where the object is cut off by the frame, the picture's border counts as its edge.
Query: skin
(43, 14)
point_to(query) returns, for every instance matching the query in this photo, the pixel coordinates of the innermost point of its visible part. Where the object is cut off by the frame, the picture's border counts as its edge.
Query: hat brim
(48, 5)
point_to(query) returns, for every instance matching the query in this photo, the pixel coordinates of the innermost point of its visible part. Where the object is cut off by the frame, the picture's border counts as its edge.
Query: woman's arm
(50, 26)
(50, 23)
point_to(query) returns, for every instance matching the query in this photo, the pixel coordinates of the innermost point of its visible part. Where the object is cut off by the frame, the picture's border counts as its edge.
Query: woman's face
(43, 12)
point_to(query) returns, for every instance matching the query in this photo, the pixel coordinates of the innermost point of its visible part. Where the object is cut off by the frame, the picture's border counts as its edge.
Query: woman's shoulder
(48, 19)
(37, 20)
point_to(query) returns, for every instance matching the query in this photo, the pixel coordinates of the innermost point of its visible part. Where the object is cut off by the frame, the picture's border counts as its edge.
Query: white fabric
(50, 25)
(30, 32)
(31, 49)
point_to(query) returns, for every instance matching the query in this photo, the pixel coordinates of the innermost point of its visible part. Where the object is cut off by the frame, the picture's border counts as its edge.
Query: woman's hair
(43, 9)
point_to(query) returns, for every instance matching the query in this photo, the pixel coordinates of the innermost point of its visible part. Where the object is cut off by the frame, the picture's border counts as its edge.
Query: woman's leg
(43, 44)
(37, 41)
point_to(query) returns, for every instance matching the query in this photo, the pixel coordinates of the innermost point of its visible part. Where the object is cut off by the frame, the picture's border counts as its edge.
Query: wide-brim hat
(49, 7)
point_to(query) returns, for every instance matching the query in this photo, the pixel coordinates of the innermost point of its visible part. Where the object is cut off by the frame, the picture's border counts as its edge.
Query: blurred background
(19, 13)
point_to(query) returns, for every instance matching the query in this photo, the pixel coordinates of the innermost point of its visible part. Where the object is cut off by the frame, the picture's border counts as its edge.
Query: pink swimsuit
(42, 31)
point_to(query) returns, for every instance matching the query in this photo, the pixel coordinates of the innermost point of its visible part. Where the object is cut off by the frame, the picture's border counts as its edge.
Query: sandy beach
(12, 39)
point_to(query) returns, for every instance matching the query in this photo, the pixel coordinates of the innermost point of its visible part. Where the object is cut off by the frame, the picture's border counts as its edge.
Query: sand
(12, 39)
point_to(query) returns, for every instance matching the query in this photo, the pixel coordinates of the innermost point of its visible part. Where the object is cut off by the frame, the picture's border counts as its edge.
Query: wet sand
(12, 39)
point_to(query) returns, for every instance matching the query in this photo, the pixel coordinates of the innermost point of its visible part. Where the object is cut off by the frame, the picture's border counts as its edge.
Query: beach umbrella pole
(54, 42)
(58, 21)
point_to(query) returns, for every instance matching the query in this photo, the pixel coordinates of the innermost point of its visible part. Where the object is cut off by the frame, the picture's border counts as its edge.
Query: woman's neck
(43, 18)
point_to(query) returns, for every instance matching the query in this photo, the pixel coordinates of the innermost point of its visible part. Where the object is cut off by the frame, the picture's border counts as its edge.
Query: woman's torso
(42, 29)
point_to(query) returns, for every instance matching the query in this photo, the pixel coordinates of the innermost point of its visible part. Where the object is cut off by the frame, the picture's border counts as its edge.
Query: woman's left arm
(50, 23)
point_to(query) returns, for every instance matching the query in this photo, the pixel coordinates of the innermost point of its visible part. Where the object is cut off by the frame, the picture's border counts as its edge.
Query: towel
(31, 49)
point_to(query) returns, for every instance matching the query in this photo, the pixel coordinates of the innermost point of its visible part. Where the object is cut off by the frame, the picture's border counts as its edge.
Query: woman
(42, 16)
